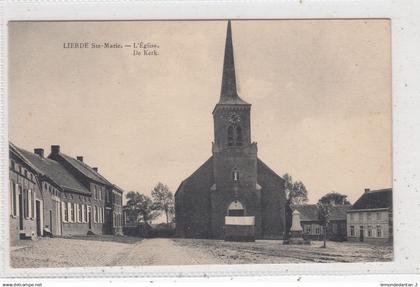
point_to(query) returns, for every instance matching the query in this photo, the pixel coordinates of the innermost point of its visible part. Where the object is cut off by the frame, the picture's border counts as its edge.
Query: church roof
(228, 93)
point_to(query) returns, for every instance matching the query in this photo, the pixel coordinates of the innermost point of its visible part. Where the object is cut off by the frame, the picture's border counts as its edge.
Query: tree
(324, 218)
(297, 194)
(141, 206)
(334, 198)
(164, 199)
(297, 191)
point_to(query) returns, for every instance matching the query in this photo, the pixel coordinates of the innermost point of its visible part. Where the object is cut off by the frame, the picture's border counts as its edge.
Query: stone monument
(296, 232)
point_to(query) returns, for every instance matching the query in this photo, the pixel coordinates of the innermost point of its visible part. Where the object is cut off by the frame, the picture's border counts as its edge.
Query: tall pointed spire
(228, 93)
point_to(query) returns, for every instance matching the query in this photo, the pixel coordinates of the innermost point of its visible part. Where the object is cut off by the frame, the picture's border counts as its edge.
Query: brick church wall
(273, 202)
(193, 204)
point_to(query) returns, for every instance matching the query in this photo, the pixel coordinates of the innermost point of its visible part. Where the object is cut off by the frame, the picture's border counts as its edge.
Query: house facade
(116, 209)
(49, 198)
(233, 182)
(26, 199)
(313, 228)
(370, 218)
(94, 183)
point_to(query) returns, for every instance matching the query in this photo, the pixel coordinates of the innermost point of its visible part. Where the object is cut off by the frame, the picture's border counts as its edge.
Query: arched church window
(238, 136)
(230, 135)
(236, 209)
(235, 175)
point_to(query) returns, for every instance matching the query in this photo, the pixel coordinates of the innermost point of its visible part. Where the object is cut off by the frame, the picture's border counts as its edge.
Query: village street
(131, 251)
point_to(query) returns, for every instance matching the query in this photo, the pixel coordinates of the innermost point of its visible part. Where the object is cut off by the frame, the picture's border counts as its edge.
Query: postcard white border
(404, 15)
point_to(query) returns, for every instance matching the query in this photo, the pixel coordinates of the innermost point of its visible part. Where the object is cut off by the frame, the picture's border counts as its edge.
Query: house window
(95, 214)
(13, 198)
(317, 230)
(25, 203)
(86, 213)
(307, 229)
(83, 213)
(369, 231)
(28, 203)
(80, 209)
(368, 216)
(65, 206)
(378, 231)
(352, 231)
(73, 212)
(378, 216)
(70, 211)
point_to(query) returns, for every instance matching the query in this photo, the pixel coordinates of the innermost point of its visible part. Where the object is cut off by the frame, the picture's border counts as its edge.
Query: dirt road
(89, 252)
(98, 251)
(163, 251)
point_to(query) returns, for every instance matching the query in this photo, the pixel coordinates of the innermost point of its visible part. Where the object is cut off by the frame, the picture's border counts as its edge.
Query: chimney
(39, 151)
(95, 169)
(55, 149)
(80, 158)
(367, 190)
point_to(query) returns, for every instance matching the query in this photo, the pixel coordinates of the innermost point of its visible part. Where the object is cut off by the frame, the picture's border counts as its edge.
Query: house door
(361, 233)
(51, 222)
(58, 218)
(20, 212)
(38, 217)
(89, 215)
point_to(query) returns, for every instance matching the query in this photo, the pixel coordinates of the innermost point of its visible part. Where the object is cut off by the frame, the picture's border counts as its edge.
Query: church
(233, 182)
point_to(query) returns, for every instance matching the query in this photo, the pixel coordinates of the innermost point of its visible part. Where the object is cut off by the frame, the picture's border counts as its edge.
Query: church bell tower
(231, 114)
(234, 155)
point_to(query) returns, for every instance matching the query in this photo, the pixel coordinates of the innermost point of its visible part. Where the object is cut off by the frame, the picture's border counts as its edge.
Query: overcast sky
(320, 92)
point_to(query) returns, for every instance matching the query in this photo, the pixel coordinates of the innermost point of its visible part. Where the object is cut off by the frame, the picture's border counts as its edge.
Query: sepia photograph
(199, 142)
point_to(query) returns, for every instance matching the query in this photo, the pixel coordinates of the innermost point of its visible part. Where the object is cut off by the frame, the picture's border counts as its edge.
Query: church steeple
(231, 115)
(228, 93)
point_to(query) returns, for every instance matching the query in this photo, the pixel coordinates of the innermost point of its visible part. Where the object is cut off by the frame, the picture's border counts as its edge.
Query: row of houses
(59, 195)
(369, 219)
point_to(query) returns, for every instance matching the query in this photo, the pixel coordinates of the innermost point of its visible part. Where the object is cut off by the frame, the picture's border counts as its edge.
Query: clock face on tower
(234, 118)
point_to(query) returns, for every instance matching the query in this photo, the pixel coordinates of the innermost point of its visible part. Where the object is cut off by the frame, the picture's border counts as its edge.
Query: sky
(320, 92)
